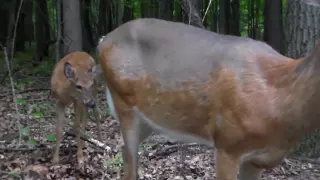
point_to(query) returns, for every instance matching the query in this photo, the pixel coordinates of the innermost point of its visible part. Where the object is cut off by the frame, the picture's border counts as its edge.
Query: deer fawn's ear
(68, 70)
(96, 71)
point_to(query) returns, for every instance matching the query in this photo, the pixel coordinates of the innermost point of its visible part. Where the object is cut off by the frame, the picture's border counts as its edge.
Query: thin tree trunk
(128, 11)
(273, 24)
(165, 9)
(72, 26)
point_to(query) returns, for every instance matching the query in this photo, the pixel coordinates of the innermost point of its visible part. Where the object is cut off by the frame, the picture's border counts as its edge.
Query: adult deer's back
(199, 86)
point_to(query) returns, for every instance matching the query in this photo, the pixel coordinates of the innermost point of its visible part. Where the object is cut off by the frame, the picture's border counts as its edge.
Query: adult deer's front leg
(133, 132)
(249, 172)
(226, 166)
(59, 125)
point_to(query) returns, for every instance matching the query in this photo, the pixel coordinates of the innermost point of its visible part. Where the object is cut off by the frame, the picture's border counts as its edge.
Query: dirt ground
(160, 158)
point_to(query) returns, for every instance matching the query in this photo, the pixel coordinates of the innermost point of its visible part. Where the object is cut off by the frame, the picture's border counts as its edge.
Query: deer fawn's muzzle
(90, 104)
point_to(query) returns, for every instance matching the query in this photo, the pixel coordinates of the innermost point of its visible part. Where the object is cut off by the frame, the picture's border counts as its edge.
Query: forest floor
(159, 158)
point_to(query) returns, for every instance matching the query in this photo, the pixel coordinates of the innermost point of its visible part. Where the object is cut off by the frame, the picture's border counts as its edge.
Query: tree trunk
(302, 28)
(10, 26)
(214, 22)
(235, 18)
(102, 23)
(273, 24)
(165, 9)
(87, 39)
(72, 32)
(39, 32)
(128, 12)
(29, 26)
(193, 14)
(224, 12)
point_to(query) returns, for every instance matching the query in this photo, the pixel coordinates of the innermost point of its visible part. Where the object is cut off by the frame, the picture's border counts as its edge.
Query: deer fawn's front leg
(59, 125)
(134, 131)
(96, 113)
(226, 166)
(79, 126)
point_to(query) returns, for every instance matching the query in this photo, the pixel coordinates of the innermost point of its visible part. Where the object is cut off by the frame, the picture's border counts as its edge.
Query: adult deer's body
(236, 93)
(72, 81)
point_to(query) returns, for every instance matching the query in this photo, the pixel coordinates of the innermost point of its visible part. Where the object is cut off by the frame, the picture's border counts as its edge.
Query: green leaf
(14, 173)
(51, 137)
(37, 115)
(32, 142)
(20, 101)
(25, 131)
(89, 134)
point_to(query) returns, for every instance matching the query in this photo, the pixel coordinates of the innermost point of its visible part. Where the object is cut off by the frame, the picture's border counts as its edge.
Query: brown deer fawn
(232, 93)
(73, 81)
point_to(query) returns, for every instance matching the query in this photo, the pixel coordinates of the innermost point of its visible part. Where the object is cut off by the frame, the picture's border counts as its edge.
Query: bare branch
(13, 93)
(205, 14)
(15, 33)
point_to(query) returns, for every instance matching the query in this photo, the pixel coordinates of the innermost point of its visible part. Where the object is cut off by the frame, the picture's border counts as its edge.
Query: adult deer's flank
(72, 81)
(237, 94)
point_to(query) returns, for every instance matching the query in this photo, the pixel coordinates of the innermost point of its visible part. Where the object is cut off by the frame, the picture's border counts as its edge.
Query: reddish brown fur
(261, 113)
(64, 93)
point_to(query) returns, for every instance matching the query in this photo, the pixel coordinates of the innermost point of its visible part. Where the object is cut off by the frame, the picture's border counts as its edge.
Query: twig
(27, 91)
(13, 93)
(21, 149)
(205, 14)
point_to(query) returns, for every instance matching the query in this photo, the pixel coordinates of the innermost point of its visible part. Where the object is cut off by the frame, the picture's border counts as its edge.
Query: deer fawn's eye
(78, 87)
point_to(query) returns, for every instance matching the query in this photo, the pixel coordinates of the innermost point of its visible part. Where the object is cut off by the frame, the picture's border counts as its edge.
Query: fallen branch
(172, 149)
(93, 142)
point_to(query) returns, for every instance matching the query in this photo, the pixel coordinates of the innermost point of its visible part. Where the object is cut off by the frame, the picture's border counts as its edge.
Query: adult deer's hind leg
(59, 125)
(134, 131)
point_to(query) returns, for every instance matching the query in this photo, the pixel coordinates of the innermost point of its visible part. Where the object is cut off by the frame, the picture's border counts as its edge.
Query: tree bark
(302, 28)
(189, 10)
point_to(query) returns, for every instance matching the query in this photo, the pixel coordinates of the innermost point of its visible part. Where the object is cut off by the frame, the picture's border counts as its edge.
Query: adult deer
(236, 93)
(73, 81)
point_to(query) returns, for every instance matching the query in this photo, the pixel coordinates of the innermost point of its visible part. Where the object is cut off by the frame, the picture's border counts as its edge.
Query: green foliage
(51, 137)
(15, 174)
(116, 162)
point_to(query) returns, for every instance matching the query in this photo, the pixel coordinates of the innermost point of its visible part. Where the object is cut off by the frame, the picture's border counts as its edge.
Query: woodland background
(35, 34)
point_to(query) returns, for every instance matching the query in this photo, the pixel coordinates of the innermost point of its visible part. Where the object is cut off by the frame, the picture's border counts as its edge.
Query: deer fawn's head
(82, 82)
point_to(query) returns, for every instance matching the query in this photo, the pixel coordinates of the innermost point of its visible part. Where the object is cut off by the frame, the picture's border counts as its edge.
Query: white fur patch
(111, 104)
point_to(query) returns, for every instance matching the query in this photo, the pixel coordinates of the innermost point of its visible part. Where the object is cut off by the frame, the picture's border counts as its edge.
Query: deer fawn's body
(236, 93)
(72, 81)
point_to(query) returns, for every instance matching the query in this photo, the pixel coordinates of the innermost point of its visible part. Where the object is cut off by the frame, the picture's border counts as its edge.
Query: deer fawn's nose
(91, 104)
